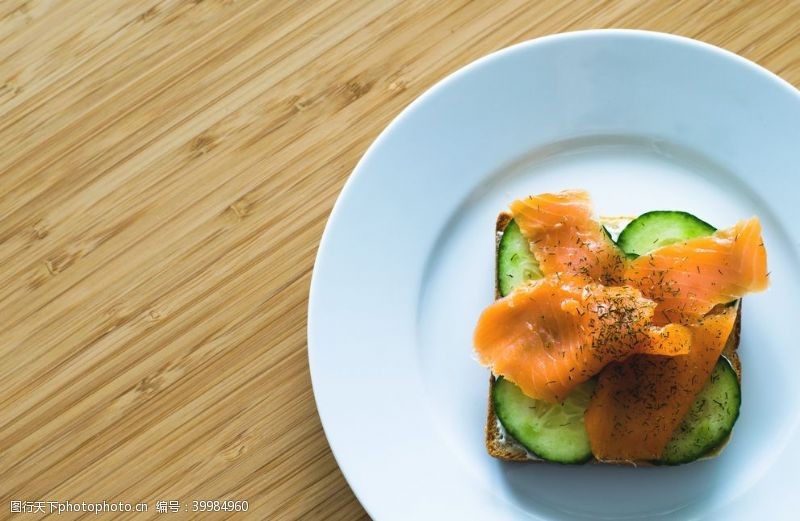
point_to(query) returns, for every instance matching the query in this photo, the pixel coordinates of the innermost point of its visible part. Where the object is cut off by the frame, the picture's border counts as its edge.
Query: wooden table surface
(167, 168)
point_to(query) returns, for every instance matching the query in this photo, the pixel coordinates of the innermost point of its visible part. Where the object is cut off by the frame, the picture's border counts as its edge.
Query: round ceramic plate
(643, 121)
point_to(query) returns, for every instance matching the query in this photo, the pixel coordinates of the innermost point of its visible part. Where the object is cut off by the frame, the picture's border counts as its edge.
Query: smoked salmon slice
(565, 237)
(638, 403)
(554, 333)
(689, 278)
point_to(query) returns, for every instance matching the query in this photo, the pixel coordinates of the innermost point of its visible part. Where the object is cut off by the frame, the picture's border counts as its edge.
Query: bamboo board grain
(166, 171)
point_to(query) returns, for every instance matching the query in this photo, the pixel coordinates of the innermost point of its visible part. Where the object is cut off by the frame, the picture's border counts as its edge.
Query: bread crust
(501, 445)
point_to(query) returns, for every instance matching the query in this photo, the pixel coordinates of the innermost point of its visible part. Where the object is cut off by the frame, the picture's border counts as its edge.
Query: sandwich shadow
(596, 491)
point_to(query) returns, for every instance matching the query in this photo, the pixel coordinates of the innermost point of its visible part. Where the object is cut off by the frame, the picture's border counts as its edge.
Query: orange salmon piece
(565, 238)
(638, 403)
(689, 278)
(554, 333)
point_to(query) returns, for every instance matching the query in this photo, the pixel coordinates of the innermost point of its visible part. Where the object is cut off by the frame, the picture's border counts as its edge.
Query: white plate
(642, 120)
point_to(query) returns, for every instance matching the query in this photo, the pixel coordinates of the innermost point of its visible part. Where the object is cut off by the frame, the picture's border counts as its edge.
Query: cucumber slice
(710, 420)
(652, 230)
(515, 262)
(554, 432)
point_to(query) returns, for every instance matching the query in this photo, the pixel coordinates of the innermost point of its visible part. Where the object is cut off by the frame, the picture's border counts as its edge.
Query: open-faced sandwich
(614, 340)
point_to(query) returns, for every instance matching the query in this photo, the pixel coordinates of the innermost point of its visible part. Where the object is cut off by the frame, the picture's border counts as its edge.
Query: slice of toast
(502, 445)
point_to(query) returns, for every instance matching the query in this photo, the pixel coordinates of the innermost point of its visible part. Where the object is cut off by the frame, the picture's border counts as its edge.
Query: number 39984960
(219, 506)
